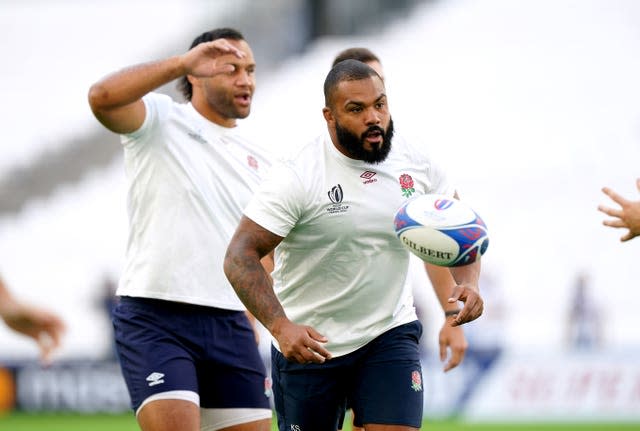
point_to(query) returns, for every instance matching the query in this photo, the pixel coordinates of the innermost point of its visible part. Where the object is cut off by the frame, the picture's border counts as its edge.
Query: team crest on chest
(252, 162)
(406, 184)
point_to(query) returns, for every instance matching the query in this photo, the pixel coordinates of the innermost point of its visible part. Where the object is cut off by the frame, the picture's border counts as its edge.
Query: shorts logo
(367, 176)
(268, 387)
(416, 381)
(155, 378)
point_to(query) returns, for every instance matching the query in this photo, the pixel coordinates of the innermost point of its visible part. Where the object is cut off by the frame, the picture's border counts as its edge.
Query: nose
(244, 79)
(372, 117)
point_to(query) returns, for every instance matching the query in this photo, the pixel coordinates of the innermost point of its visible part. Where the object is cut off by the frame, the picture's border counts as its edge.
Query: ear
(193, 80)
(328, 115)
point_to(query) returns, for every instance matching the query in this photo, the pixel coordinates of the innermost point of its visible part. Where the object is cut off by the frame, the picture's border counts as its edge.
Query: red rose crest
(416, 381)
(252, 162)
(406, 184)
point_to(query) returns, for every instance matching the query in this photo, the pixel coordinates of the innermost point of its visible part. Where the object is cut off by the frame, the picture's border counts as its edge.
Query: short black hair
(184, 86)
(346, 70)
(357, 53)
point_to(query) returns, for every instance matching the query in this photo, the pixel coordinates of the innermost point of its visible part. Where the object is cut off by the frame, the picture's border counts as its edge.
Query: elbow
(98, 98)
(228, 266)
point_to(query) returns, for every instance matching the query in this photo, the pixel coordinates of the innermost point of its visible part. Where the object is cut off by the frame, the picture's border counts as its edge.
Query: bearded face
(359, 148)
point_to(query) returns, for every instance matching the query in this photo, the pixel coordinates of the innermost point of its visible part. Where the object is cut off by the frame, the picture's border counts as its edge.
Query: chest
(360, 203)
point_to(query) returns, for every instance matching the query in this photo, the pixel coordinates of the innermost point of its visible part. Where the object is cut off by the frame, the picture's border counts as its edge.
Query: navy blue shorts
(181, 348)
(381, 381)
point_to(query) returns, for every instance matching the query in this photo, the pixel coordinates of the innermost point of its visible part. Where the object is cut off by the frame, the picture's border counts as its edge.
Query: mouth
(243, 99)
(373, 137)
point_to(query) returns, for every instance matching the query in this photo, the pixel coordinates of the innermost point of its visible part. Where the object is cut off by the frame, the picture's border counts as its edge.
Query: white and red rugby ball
(441, 230)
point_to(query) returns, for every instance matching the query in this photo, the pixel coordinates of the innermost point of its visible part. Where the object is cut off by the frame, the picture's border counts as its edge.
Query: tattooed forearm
(247, 275)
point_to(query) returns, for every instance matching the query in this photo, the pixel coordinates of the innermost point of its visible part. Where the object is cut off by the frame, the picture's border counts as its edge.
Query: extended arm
(242, 266)
(116, 100)
(43, 326)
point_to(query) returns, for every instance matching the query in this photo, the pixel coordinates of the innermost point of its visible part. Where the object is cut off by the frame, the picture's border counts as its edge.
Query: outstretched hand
(627, 216)
(300, 343)
(43, 326)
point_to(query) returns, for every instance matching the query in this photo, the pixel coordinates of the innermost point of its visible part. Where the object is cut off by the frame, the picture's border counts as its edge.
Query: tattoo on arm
(246, 274)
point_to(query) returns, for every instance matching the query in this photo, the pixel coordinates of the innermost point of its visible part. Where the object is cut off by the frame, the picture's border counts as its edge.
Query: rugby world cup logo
(335, 194)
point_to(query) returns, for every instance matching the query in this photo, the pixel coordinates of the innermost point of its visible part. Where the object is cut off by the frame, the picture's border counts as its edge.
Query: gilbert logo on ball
(441, 230)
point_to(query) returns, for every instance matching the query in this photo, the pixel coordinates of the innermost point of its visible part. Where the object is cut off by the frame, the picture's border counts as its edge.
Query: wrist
(451, 313)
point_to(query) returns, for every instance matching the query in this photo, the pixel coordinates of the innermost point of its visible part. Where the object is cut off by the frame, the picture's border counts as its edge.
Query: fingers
(473, 305)
(223, 46)
(614, 196)
(614, 223)
(302, 344)
(47, 345)
(455, 359)
(610, 211)
(452, 341)
(49, 338)
(471, 311)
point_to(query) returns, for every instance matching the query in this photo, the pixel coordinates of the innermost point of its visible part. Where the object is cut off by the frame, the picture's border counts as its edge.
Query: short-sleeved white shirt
(189, 180)
(340, 267)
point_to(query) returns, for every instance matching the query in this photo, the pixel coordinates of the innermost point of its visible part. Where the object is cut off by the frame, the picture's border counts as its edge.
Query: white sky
(532, 104)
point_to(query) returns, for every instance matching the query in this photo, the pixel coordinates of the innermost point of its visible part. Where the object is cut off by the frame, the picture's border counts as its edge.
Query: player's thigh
(389, 390)
(309, 397)
(232, 375)
(169, 415)
(153, 359)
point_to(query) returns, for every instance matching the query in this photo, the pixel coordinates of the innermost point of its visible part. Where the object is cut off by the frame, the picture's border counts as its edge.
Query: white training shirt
(189, 180)
(340, 268)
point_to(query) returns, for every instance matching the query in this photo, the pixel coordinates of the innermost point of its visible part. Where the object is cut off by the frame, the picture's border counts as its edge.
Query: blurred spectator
(585, 321)
(485, 336)
(107, 300)
(43, 326)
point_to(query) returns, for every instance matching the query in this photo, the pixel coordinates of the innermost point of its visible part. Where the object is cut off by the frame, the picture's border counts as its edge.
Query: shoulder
(310, 151)
(300, 165)
(160, 106)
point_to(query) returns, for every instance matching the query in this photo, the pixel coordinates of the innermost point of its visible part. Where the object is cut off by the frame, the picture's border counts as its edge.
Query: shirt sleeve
(439, 179)
(278, 202)
(157, 107)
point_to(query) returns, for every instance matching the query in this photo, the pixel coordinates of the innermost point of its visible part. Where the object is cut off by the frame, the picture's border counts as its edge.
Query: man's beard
(354, 144)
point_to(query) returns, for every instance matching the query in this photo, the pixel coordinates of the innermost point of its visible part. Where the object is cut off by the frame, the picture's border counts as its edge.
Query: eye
(355, 109)
(380, 105)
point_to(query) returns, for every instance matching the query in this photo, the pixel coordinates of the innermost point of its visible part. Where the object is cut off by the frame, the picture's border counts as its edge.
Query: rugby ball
(441, 230)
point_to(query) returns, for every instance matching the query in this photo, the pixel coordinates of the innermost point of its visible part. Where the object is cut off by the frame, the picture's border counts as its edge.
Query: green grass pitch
(126, 422)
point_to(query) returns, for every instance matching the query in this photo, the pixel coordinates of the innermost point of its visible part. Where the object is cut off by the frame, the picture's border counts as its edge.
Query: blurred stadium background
(531, 104)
